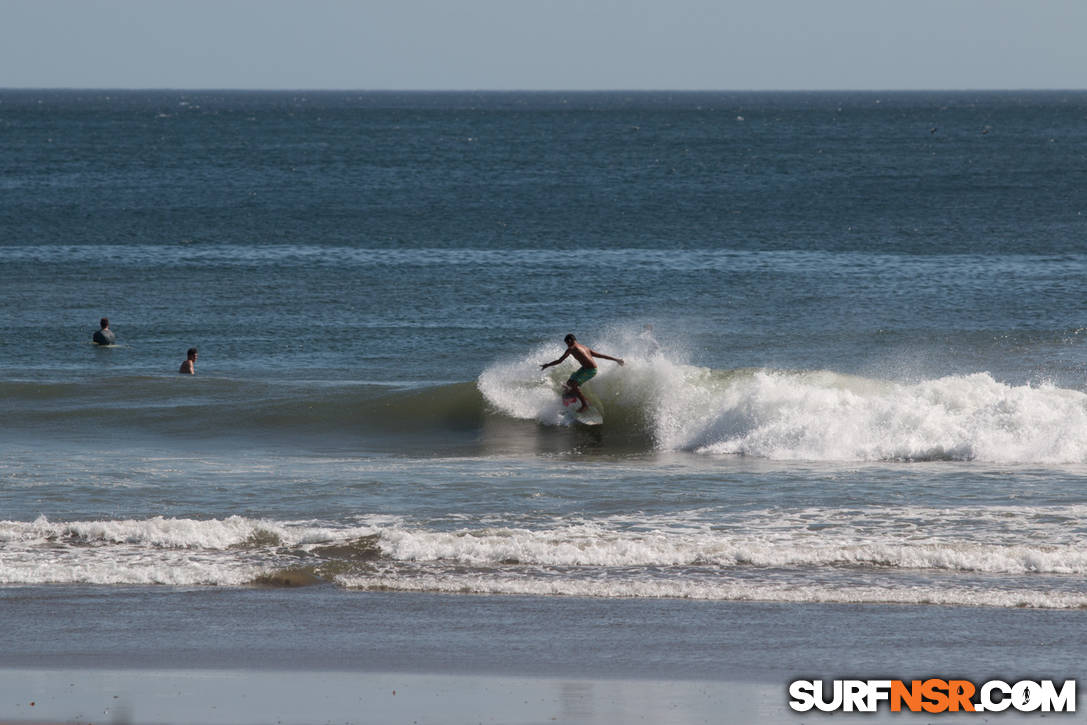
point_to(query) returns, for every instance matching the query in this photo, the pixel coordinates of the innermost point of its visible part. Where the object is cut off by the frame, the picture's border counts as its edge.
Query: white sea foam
(519, 389)
(127, 568)
(723, 589)
(993, 556)
(159, 550)
(162, 532)
(815, 415)
(833, 417)
(596, 546)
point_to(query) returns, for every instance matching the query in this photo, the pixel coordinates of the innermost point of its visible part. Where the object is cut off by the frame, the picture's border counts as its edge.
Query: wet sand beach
(322, 655)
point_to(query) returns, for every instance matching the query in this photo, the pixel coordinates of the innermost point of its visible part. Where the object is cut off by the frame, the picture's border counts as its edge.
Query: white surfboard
(590, 416)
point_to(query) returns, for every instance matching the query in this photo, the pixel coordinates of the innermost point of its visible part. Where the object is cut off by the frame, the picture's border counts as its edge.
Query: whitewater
(816, 415)
(1017, 556)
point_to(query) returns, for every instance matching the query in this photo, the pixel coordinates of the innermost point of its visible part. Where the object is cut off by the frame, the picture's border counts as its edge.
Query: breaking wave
(621, 556)
(810, 415)
(654, 403)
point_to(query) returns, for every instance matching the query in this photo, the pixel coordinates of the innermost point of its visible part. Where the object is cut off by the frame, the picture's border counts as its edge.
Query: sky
(545, 45)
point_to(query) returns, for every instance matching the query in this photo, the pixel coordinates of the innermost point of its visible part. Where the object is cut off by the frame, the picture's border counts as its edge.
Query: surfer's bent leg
(576, 390)
(574, 384)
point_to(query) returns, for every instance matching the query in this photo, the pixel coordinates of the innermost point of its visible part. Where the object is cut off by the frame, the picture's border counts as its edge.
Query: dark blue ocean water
(868, 383)
(381, 233)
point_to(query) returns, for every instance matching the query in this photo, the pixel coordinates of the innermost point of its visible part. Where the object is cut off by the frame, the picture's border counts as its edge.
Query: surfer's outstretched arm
(555, 362)
(607, 357)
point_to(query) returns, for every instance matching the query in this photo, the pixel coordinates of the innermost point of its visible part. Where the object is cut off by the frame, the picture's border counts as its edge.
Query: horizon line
(234, 89)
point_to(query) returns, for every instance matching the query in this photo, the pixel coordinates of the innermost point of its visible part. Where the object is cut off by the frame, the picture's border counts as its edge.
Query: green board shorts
(582, 375)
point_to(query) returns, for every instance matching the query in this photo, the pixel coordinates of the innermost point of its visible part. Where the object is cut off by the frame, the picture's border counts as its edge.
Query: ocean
(854, 390)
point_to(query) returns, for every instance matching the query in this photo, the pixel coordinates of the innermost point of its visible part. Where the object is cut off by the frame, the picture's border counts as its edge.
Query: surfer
(189, 366)
(104, 335)
(583, 374)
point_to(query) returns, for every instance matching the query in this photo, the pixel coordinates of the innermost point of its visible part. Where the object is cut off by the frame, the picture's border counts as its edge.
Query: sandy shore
(322, 655)
(234, 697)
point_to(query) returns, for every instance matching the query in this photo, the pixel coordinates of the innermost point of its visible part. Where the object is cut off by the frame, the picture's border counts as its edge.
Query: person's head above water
(104, 322)
(569, 339)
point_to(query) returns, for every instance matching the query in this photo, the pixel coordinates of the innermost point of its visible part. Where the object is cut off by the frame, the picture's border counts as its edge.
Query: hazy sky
(564, 44)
